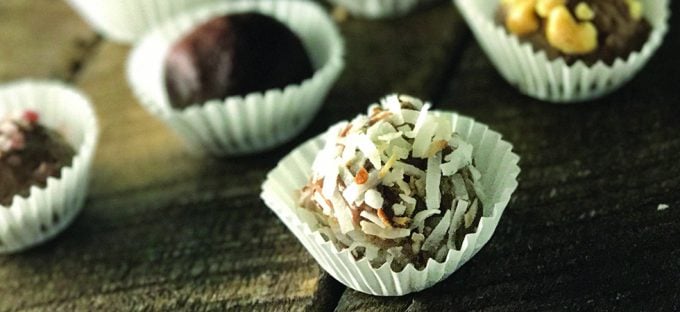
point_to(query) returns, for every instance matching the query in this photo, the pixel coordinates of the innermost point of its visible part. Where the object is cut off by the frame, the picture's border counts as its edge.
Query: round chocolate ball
(234, 55)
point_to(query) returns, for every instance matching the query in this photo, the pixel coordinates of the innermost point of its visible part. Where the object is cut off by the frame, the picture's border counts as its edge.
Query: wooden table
(162, 230)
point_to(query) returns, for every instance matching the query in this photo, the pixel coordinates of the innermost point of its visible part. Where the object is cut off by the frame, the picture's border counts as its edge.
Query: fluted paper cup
(241, 124)
(535, 75)
(494, 159)
(377, 9)
(45, 212)
(126, 21)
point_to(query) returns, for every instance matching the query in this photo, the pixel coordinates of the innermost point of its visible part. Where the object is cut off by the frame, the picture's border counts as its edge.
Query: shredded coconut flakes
(380, 179)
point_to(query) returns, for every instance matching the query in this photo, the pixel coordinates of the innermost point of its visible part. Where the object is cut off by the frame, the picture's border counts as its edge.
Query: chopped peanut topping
(635, 9)
(361, 177)
(521, 19)
(339, 14)
(584, 12)
(569, 36)
(543, 7)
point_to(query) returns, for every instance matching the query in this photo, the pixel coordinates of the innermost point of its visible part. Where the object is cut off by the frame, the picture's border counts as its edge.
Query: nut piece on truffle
(587, 30)
(395, 186)
(234, 55)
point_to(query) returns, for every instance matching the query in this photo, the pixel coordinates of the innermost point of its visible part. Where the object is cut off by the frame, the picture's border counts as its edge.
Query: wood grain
(163, 230)
(583, 231)
(42, 39)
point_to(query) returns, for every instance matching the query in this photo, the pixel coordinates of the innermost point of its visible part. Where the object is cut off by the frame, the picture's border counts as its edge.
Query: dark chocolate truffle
(234, 55)
(29, 154)
(587, 30)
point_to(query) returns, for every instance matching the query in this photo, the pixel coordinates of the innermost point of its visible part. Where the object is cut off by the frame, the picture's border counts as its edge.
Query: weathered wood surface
(162, 230)
(41, 39)
(583, 231)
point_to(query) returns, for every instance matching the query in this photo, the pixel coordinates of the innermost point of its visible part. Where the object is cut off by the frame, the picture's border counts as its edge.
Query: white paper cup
(259, 121)
(555, 81)
(494, 159)
(126, 21)
(31, 220)
(376, 9)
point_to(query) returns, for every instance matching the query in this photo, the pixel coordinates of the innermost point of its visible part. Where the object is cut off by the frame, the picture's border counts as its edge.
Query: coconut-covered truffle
(29, 154)
(587, 30)
(396, 186)
(234, 55)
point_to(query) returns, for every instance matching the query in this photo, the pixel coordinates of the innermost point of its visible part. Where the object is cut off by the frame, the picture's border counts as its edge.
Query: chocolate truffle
(234, 55)
(29, 154)
(397, 185)
(587, 30)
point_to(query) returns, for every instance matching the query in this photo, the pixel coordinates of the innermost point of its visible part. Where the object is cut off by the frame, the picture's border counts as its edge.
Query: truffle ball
(234, 55)
(29, 154)
(587, 30)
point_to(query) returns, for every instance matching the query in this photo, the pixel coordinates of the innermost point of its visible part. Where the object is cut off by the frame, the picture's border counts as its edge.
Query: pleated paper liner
(126, 21)
(31, 220)
(259, 121)
(495, 160)
(555, 81)
(376, 9)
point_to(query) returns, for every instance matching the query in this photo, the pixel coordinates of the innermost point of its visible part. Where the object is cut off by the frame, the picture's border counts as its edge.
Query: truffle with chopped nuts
(29, 154)
(587, 30)
(397, 186)
(234, 55)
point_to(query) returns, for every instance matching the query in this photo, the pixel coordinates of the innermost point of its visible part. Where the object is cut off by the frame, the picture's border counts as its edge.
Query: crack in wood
(86, 49)
(328, 294)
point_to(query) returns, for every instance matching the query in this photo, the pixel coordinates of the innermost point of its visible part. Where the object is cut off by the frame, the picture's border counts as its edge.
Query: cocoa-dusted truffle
(396, 186)
(234, 55)
(29, 154)
(587, 30)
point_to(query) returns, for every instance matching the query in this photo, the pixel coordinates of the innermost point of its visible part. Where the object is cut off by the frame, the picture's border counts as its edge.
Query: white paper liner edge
(496, 162)
(47, 211)
(258, 121)
(126, 21)
(555, 81)
(380, 8)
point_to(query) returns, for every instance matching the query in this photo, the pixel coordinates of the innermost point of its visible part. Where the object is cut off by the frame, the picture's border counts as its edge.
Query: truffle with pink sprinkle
(29, 154)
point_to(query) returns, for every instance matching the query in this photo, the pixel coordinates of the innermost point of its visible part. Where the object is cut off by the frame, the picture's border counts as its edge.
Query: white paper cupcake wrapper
(494, 159)
(127, 20)
(555, 81)
(379, 8)
(31, 220)
(258, 121)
